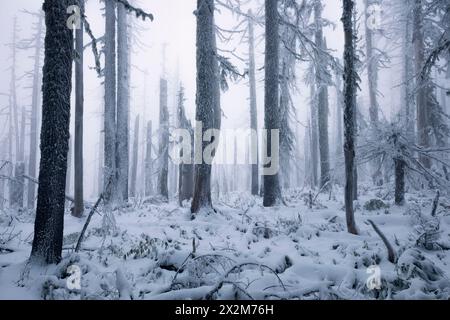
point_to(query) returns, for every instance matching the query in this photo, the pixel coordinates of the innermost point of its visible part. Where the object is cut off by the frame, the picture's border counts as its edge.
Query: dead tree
(57, 76)
(78, 208)
(208, 111)
(350, 87)
(135, 158)
(163, 154)
(149, 162)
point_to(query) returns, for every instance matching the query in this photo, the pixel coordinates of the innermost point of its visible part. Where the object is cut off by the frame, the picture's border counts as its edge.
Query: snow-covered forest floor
(243, 251)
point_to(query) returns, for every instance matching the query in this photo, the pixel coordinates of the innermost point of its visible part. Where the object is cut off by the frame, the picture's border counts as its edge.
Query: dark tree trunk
(400, 167)
(208, 111)
(350, 85)
(272, 191)
(78, 209)
(57, 76)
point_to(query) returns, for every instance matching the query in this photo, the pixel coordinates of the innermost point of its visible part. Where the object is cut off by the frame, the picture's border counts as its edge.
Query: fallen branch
(392, 256)
(88, 220)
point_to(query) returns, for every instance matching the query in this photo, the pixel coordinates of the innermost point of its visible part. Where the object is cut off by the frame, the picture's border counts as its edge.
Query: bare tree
(123, 81)
(163, 154)
(78, 209)
(253, 106)
(149, 162)
(272, 191)
(134, 163)
(350, 87)
(57, 75)
(110, 102)
(208, 111)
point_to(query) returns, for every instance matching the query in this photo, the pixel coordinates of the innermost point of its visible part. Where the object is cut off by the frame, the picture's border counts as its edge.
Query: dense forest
(225, 149)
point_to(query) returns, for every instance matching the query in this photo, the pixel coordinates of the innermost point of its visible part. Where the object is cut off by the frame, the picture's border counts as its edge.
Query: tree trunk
(421, 97)
(186, 170)
(69, 166)
(208, 113)
(163, 141)
(78, 209)
(314, 138)
(134, 163)
(57, 76)
(123, 80)
(350, 85)
(272, 191)
(253, 108)
(400, 167)
(149, 162)
(322, 98)
(110, 103)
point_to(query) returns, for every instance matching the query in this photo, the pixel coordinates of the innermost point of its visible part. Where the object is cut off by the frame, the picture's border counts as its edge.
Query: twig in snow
(392, 256)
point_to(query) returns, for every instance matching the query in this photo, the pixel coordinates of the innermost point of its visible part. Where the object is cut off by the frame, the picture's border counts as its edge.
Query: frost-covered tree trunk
(372, 74)
(163, 153)
(100, 169)
(79, 115)
(314, 138)
(14, 197)
(322, 98)
(123, 96)
(339, 115)
(272, 191)
(287, 79)
(135, 158)
(109, 176)
(57, 76)
(207, 100)
(350, 86)
(253, 107)
(423, 136)
(149, 161)
(32, 161)
(408, 61)
(186, 170)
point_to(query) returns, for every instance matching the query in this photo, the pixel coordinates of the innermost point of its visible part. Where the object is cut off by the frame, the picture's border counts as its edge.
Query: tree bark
(272, 191)
(350, 85)
(78, 209)
(421, 97)
(123, 80)
(322, 99)
(208, 111)
(57, 76)
(400, 167)
(110, 103)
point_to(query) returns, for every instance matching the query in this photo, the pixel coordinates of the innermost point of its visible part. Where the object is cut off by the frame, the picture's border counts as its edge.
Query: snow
(287, 252)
